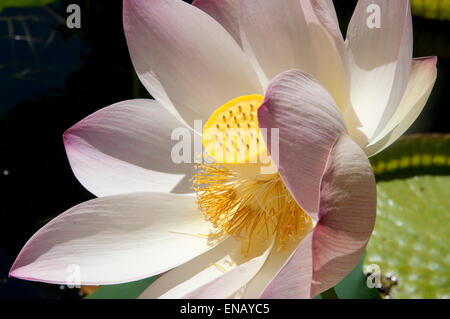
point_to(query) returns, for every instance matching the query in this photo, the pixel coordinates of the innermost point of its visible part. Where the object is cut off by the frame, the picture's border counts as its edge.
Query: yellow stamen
(249, 208)
(220, 267)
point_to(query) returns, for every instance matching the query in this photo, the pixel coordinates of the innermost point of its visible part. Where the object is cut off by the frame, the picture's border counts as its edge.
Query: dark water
(62, 75)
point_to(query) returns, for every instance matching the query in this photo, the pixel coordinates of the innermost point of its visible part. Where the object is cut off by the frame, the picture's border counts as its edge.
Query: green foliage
(354, 286)
(130, 290)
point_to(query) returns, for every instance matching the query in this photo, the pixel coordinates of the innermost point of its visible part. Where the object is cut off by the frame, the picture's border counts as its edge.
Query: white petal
(116, 239)
(420, 85)
(205, 272)
(269, 270)
(224, 12)
(232, 281)
(329, 50)
(380, 61)
(126, 148)
(293, 34)
(185, 58)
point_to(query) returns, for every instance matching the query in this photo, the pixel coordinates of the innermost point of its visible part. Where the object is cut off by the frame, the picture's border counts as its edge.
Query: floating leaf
(23, 3)
(413, 155)
(431, 9)
(410, 239)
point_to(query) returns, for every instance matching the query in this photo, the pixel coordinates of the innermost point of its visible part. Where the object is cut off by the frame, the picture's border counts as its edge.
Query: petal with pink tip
(309, 124)
(116, 239)
(186, 59)
(420, 85)
(346, 220)
(380, 57)
(224, 12)
(126, 148)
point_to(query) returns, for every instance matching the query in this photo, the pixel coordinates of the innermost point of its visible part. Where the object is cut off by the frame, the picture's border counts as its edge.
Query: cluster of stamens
(249, 209)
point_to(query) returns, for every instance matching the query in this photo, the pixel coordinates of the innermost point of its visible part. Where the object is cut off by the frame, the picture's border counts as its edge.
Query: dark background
(57, 76)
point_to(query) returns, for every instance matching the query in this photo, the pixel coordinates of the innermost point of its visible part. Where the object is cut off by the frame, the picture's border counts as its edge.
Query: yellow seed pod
(232, 134)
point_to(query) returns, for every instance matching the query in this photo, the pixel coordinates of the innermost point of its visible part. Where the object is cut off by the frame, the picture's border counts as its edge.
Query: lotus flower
(291, 234)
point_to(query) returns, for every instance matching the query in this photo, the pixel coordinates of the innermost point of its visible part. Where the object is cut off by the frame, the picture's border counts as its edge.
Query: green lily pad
(412, 155)
(410, 239)
(431, 9)
(24, 3)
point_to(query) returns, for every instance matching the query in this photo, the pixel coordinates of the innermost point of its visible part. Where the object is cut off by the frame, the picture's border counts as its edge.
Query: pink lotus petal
(294, 278)
(225, 12)
(116, 239)
(125, 148)
(347, 212)
(309, 123)
(273, 264)
(346, 220)
(185, 58)
(380, 61)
